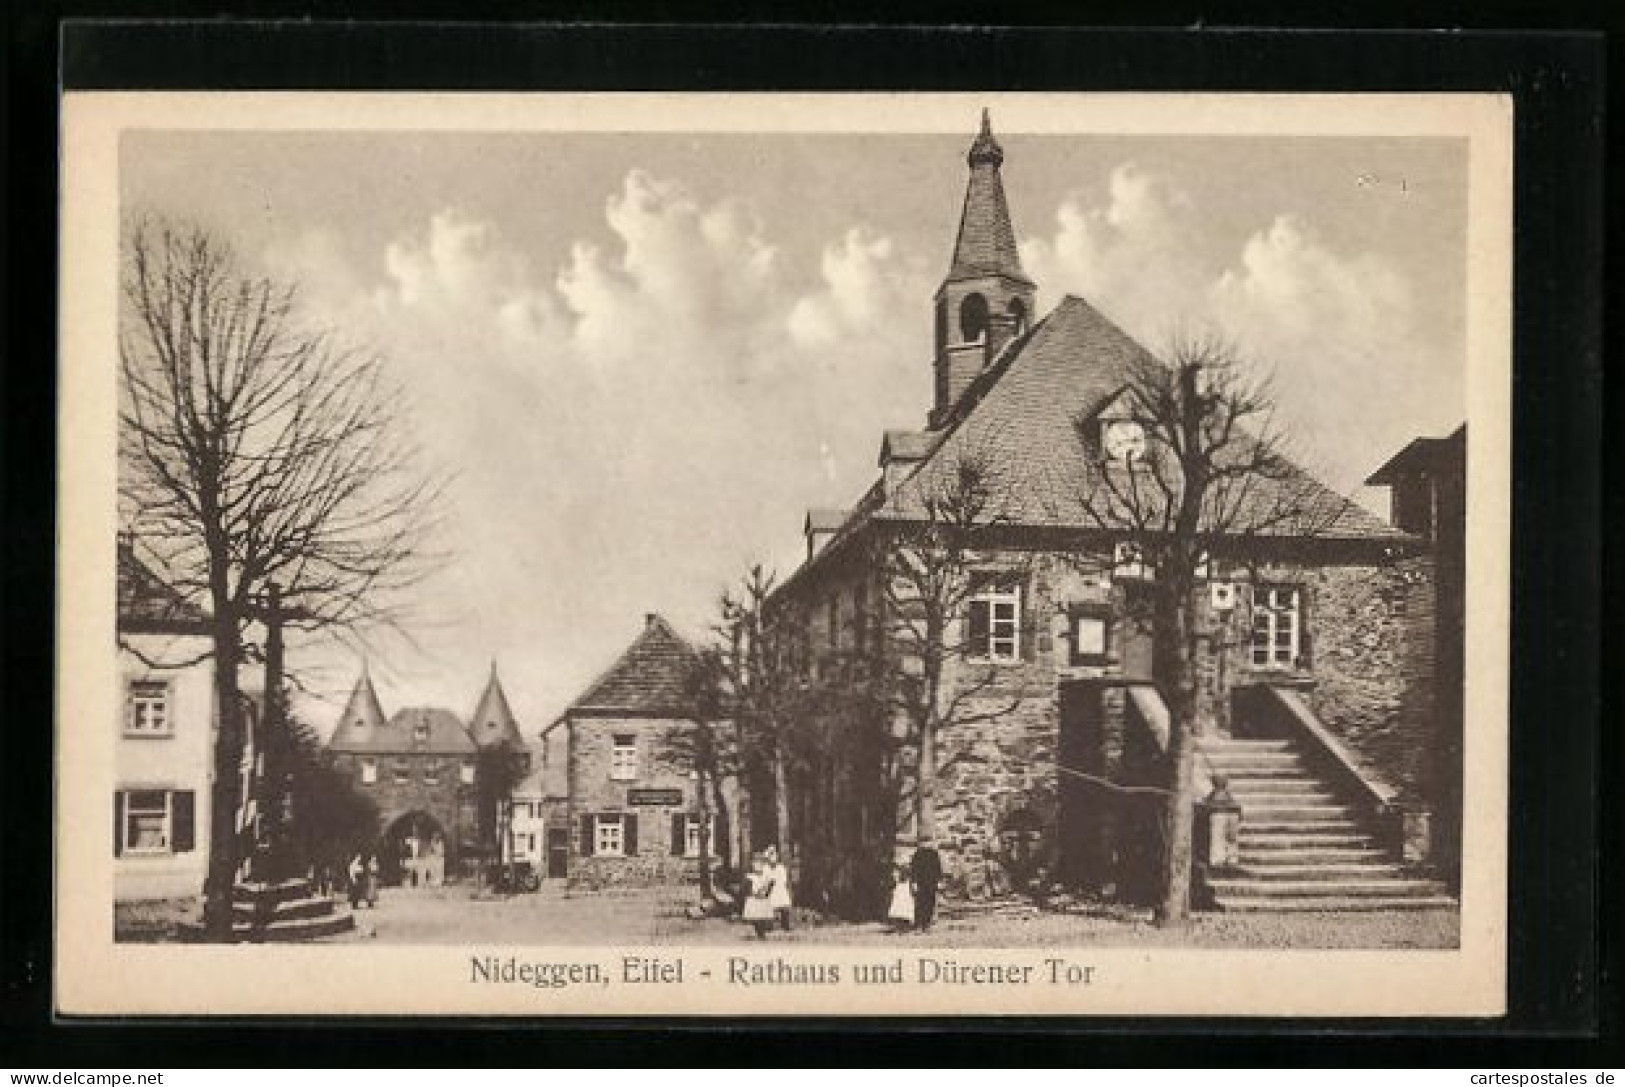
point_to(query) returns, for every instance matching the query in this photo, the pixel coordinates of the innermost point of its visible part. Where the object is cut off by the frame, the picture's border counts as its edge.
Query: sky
(643, 356)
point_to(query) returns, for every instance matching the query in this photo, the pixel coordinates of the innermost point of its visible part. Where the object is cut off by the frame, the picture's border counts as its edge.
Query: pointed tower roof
(987, 242)
(362, 718)
(493, 721)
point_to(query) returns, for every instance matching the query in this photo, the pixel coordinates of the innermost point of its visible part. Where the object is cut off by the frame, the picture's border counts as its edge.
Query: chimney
(650, 619)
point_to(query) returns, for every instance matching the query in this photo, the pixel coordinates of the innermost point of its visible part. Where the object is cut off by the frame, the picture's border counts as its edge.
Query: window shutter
(118, 824)
(183, 806)
(587, 841)
(1026, 619)
(630, 834)
(679, 826)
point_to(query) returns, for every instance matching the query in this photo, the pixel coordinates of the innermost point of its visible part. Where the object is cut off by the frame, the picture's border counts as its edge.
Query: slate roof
(824, 520)
(1424, 456)
(146, 602)
(986, 244)
(651, 678)
(363, 716)
(1021, 416)
(907, 445)
(493, 721)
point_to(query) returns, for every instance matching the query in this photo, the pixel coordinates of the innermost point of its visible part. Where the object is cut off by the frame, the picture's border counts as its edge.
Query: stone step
(1391, 887)
(280, 892)
(1268, 801)
(1263, 774)
(1252, 855)
(303, 928)
(1330, 903)
(1278, 783)
(291, 909)
(1265, 814)
(1319, 871)
(1267, 822)
(1232, 743)
(1304, 837)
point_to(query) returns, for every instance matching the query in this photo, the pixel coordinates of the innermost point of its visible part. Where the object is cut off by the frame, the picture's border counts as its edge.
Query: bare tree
(760, 663)
(707, 746)
(498, 770)
(1197, 475)
(938, 674)
(255, 449)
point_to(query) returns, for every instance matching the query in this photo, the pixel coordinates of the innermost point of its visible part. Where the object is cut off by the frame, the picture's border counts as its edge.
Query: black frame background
(1562, 963)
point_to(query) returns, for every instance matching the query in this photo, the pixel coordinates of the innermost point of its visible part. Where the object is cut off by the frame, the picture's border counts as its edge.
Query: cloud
(1337, 329)
(632, 424)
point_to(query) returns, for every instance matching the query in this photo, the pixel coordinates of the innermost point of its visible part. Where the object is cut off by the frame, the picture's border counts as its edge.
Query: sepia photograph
(786, 554)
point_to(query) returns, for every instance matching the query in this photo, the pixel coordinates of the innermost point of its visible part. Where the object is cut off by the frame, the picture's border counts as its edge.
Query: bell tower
(987, 300)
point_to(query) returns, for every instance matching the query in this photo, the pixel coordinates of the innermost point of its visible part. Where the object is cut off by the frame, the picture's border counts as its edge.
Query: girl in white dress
(901, 912)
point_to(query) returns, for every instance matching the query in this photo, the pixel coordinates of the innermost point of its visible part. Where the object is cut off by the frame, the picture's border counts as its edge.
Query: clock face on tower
(1123, 440)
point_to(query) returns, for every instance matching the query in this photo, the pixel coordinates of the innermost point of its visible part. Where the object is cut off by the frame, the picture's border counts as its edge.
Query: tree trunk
(925, 787)
(719, 804)
(702, 796)
(781, 802)
(1177, 676)
(228, 757)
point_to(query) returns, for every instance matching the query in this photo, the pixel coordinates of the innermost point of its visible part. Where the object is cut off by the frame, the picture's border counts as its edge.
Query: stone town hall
(1329, 664)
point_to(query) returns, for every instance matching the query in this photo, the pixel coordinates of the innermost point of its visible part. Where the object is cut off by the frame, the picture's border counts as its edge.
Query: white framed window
(431, 772)
(369, 771)
(1128, 561)
(995, 622)
(154, 822)
(465, 773)
(147, 710)
(403, 771)
(623, 758)
(1277, 626)
(691, 833)
(609, 836)
(1088, 638)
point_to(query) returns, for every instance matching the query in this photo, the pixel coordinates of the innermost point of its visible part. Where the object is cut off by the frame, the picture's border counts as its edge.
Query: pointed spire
(985, 151)
(363, 714)
(493, 721)
(987, 242)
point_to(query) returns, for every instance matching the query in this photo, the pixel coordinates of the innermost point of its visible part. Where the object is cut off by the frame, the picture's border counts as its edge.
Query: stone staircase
(1302, 847)
(286, 912)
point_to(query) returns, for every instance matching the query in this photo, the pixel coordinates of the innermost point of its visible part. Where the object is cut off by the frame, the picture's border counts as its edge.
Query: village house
(164, 758)
(630, 813)
(420, 768)
(1315, 650)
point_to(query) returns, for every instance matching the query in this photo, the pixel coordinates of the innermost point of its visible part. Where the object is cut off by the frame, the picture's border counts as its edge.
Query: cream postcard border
(95, 976)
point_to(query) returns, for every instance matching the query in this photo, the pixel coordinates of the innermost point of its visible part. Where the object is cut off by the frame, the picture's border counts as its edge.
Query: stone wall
(593, 792)
(1373, 666)
(446, 800)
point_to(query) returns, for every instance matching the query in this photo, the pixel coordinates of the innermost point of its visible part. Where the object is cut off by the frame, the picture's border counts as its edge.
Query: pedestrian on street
(357, 873)
(900, 915)
(778, 895)
(758, 885)
(925, 872)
